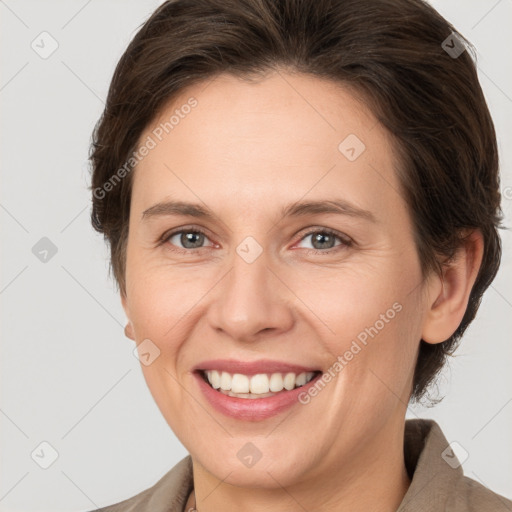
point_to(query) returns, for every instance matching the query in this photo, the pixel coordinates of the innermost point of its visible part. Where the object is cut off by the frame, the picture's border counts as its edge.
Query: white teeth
(301, 379)
(289, 381)
(225, 381)
(214, 378)
(276, 382)
(240, 383)
(259, 384)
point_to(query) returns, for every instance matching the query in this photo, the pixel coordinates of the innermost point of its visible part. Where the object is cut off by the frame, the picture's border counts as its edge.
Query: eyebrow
(297, 209)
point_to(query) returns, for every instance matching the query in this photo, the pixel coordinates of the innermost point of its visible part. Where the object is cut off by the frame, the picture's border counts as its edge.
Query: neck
(376, 479)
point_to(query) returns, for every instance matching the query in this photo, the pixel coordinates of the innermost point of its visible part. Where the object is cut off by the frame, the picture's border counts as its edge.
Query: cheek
(346, 302)
(162, 299)
(382, 371)
(368, 323)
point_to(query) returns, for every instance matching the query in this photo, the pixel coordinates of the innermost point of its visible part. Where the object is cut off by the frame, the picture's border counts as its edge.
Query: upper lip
(252, 367)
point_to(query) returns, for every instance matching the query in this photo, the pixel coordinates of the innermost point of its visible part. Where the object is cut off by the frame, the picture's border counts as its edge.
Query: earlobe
(128, 330)
(449, 293)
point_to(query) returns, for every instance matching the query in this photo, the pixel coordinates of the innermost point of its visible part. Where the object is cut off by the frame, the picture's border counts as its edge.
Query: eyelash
(345, 241)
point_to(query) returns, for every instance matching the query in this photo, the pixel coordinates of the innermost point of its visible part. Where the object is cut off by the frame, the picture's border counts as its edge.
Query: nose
(251, 301)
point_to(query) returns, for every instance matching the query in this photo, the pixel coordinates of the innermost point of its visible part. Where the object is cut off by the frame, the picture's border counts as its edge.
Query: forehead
(278, 139)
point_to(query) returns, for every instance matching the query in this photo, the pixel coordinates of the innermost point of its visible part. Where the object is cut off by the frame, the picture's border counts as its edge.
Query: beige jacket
(438, 482)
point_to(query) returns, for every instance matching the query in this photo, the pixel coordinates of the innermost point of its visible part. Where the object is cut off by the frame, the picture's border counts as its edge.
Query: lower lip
(254, 409)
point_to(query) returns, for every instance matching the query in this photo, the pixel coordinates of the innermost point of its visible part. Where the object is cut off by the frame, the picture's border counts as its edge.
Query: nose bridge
(250, 299)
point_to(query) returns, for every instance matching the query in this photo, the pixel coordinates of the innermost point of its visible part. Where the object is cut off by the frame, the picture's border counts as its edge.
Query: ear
(448, 295)
(128, 330)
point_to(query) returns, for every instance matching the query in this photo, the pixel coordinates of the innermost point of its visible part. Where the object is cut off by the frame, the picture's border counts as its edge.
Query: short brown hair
(394, 52)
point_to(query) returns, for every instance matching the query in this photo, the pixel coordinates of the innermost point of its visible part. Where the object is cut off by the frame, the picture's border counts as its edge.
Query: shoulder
(472, 496)
(169, 494)
(437, 478)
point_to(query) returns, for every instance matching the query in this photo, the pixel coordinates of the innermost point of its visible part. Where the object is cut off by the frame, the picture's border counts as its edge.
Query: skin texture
(246, 151)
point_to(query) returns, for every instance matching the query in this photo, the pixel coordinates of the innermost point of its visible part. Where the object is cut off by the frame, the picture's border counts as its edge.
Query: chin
(268, 472)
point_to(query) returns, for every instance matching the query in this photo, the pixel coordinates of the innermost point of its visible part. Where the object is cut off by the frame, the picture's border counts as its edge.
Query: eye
(194, 238)
(188, 238)
(323, 241)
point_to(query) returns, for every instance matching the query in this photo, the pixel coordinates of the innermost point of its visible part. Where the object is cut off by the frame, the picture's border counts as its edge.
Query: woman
(302, 203)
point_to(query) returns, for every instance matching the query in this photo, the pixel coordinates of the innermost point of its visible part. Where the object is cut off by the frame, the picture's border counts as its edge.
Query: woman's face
(337, 292)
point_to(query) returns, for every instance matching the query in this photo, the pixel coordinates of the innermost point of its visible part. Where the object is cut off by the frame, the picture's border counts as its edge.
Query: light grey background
(68, 374)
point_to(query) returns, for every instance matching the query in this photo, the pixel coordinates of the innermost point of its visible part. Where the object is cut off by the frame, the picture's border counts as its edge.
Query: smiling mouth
(261, 385)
